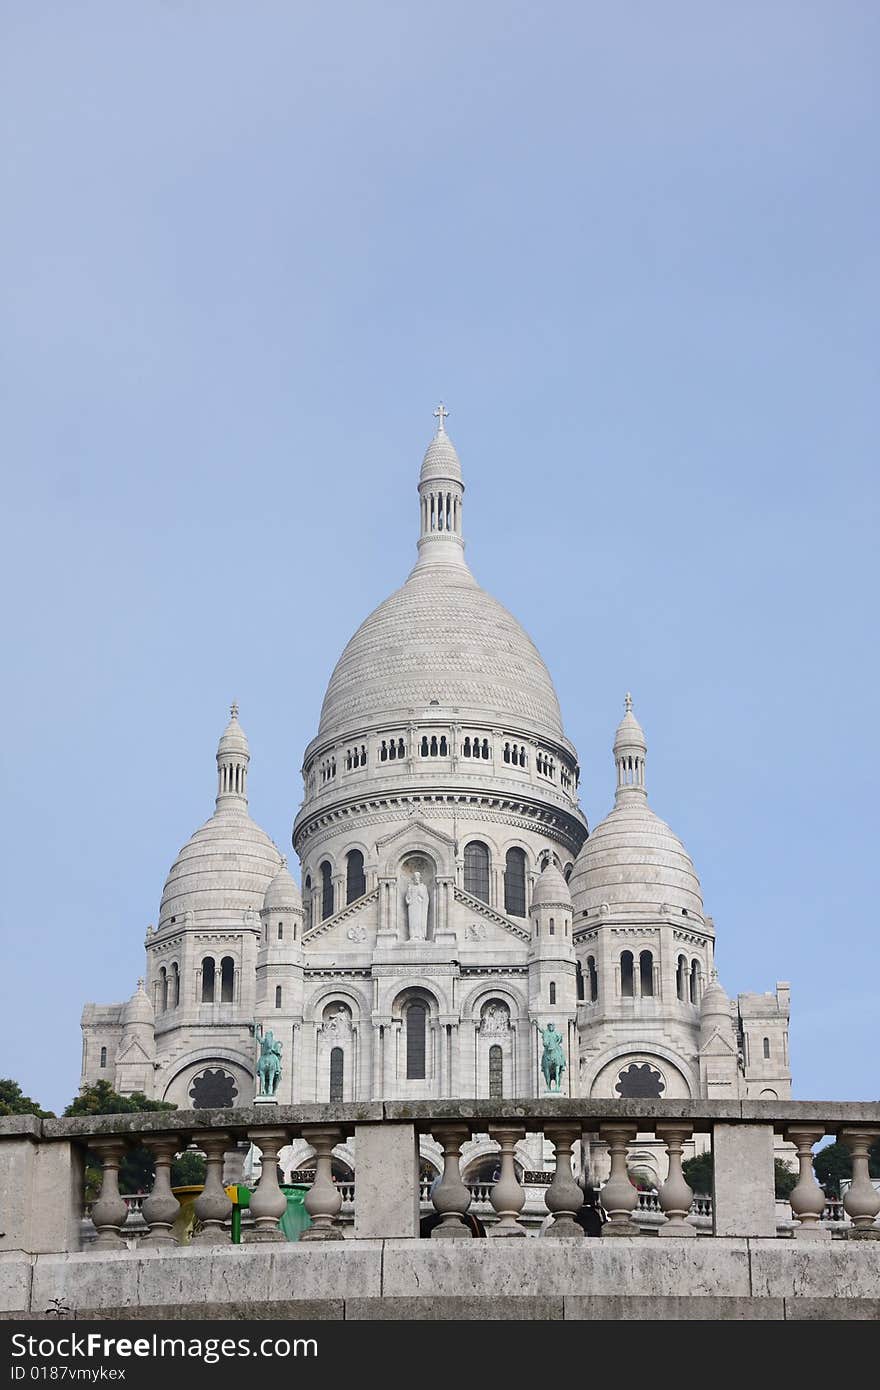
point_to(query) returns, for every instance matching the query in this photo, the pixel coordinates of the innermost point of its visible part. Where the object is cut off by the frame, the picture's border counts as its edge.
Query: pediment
(133, 1053)
(352, 928)
(718, 1045)
(413, 830)
(470, 911)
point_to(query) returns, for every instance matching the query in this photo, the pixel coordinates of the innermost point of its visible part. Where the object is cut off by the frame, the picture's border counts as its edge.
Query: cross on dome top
(628, 701)
(233, 710)
(439, 415)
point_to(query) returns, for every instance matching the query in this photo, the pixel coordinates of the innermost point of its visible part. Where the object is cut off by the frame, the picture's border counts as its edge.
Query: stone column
(619, 1197)
(268, 1203)
(807, 1199)
(323, 1199)
(213, 1208)
(743, 1187)
(386, 1187)
(451, 1197)
(861, 1202)
(564, 1197)
(507, 1196)
(109, 1212)
(161, 1209)
(675, 1194)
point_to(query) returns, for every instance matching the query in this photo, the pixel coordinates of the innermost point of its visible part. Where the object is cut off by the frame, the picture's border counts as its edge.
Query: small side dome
(551, 890)
(715, 1003)
(630, 734)
(138, 1009)
(282, 895)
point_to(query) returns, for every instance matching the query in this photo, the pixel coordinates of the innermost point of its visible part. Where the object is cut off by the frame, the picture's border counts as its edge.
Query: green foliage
(698, 1175)
(786, 1178)
(12, 1102)
(99, 1098)
(188, 1170)
(835, 1162)
(136, 1171)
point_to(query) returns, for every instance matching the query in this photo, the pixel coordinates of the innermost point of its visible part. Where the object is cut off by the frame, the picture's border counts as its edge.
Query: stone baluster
(861, 1202)
(507, 1195)
(619, 1197)
(807, 1198)
(212, 1207)
(268, 1203)
(109, 1212)
(564, 1197)
(675, 1195)
(323, 1199)
(451, 1197)
(161, 1209)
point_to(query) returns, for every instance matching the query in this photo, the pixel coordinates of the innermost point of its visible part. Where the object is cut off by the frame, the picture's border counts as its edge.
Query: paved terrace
(382, 1269)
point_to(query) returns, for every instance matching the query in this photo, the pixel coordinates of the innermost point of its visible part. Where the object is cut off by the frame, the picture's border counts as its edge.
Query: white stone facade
(452, 898)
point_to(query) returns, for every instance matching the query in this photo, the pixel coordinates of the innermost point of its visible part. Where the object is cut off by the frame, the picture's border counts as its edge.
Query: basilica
(454, 902)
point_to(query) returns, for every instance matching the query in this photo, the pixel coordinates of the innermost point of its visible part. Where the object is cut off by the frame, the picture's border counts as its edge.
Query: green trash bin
(296, 1219)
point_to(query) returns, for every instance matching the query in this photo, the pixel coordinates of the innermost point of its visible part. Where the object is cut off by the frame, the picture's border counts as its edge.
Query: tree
(188, 1170)
(137, 1170)
(698, 1175)
(12, 1102)
(835, 1162)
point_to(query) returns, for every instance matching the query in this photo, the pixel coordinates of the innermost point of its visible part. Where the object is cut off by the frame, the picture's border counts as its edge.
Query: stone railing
(41, 1162)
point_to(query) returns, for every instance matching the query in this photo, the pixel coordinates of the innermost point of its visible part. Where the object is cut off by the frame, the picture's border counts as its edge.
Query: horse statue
(269, 1061)
(553, 1059)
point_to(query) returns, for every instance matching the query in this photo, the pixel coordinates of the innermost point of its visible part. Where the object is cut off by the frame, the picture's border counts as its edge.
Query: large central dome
(441, 639)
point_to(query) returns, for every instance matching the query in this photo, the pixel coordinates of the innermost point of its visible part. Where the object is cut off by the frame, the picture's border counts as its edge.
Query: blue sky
(245, 250)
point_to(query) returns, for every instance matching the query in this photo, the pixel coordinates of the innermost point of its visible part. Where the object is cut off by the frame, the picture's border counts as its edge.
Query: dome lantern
(441, 493)
(233, 757)
(630, 751)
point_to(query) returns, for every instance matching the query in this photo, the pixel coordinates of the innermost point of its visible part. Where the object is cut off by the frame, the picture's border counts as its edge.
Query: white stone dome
(282, 895)
(551, 889)
(441, 460)
(233, 739)
(715, 1003)
(633, 859)
(441, 640)
(225, 867)
(138, 1009)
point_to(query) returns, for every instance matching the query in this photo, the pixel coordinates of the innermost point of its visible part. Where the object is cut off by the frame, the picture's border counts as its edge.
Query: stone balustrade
(388, 1192)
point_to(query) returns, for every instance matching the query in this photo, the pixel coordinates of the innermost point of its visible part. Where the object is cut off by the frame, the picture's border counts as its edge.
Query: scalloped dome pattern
(226, 866)
(441, 638)
(632, 858)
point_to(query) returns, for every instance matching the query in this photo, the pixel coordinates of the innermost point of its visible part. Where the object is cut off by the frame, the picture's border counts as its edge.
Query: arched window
(326, 891)
(416, 1040)
(476, 870)
(337, 1073)
(355, 878)
(163, 989)
(552, 927)
(552, 991)
(515, 883)
(307, 903)
(280, 931)
(278, 996)
(766, 1048)
(175, 985)
(579, 980)
(626, 975)
(496, 1073)
(594, 980)
(681, 975)
(646, 974)
(208, 973)
(694, 983)
(103, 1062)
(227, 980)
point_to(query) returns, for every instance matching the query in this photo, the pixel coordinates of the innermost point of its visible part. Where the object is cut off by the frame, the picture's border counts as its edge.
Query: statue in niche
(553, 1058)
(337, 1026)
(495, 1021)
(417, 909)
(269, 1061)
